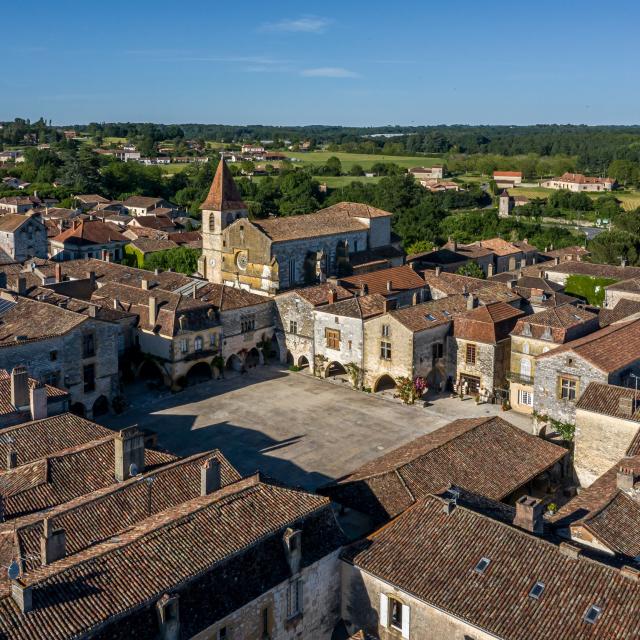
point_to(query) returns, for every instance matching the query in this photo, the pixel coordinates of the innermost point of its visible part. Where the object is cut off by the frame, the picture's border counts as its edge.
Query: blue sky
(347, 63)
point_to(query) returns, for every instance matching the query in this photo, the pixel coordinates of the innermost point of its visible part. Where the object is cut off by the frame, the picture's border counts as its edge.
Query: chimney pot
(20, 387)
(144, 284)
(58, 272)
(210, 479)
(529, 512)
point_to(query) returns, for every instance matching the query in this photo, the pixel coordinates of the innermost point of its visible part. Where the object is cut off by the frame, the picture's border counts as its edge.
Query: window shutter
(384, 610)
(406, 613)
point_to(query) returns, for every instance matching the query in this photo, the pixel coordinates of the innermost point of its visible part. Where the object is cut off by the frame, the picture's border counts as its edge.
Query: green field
(365, 160)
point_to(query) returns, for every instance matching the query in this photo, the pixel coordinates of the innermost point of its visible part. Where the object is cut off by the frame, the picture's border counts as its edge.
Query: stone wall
(29, 241)
(485, 365)
(320, 609)
(612, 297)
(361, 610)
(234, 340)
(290, 307)
(600, 442)
(351, 339)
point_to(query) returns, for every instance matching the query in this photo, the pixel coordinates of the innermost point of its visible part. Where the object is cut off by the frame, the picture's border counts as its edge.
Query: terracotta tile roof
(319, 294)
(91, 198)
(339, 218)
(142, 201)
(488, 456)
(66, 474)
(605, 399)
(362, 307)
(90, 232)
(608, 349)
(159, 223)
(575, 251)
(430, 314)
(402, 278)
(556, 323)
(5, 394)
(226, 298)
(23, 319)
(632, 285)
(432, 556)
(499, 246)
(579, 178)
(624, 310)
(189, 550)
(223, 194)
(592, 269)
(97, 516)
(616, 525)
(149, 245)
(467, 251)
(490, 323)
(453, 283)
(510, 174)
(11, 222)
(39, 438)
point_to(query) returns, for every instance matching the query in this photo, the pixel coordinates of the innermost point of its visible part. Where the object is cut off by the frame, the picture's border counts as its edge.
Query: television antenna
(133, 469)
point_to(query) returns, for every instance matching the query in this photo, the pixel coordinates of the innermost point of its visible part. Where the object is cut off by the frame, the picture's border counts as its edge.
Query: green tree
(472, 270)
(419, 246)
(181, 259)
(610, 247)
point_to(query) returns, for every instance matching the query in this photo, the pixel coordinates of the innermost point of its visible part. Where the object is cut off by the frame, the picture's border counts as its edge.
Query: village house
(295, 321)
(507, 179)
(88, 201)
(268, 255)
(23, 236)
(438, 186)
(23, 398)
(566, 253)
(578, 183)
(610, 355)
(145, 206)
(607, 424)
(539, 293)
(88, 239)
(488, 456)
(162, 223)
(62, 348)
(275, 549)
(536, 334)
(620, 291)
(559, 271)
(481, 348)
(18, 204)
(436, 172)
(458, 567)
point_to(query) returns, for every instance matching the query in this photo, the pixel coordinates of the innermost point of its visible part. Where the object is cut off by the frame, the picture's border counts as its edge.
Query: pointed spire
(224, 194)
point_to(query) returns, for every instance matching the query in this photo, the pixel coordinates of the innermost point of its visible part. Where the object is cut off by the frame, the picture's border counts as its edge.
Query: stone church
(270, 255)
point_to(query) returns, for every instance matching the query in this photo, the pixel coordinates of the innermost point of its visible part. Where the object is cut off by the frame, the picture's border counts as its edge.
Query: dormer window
(546, 334)
(526, 329)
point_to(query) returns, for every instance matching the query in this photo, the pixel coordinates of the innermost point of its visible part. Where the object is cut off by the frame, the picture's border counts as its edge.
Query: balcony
(513, 376)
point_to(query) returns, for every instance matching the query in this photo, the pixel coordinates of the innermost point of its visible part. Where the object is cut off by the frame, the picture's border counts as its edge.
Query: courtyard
(291, 426)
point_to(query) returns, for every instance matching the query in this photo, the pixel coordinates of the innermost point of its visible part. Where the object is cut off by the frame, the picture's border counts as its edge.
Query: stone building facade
(23, 236)
(269, 255)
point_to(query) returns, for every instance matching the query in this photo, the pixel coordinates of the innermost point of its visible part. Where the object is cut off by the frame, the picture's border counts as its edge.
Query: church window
(292, 271)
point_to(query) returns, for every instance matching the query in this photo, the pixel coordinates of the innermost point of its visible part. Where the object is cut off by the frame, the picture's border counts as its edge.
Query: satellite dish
(13, 570)
(133, 469)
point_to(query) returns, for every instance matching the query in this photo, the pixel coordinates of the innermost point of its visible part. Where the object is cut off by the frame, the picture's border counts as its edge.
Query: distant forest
(595, 147)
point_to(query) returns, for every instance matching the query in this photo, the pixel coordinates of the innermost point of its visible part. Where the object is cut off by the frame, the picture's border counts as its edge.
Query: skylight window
(536, 590)
(593, 613)
(446, 313)
(430, 317)
(482, 565)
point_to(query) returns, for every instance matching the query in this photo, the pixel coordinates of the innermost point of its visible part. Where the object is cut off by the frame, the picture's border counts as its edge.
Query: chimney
(20, 387)
(12, 459)
(438, 270)
(58, 272)
(210, 480)
(129, 453)
(510, 283)
(91, 275)
(387, 305)
(22, 596)
(292, 540)
(472, 302)
(116, 303)
(490, 270)
(194, 292)
(625, 479)
(626, 406)
(53, 543)
(529, 513)
(76, 223)
(153, 311)
(556, 260)
(106, 256)
(449, 506)
(623, 262)
(22, 286)
(3, 280)
(38, 401)
(364, 289)
(332, 296)
(156, 271)
(629, 572)
(389, 285)
(569, 550)
(144, 283)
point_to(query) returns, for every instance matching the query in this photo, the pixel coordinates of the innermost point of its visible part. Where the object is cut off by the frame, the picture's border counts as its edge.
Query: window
(386, 330)
(89, 377)
(525, 367)
(88, 345)
(197, 344)
(223, 633)
(592, 614)
(294, 598)
(385, 350)
(482, 565)
(213, 340)
(293, 326)
(525, 348)
(536, 590)
(332, 337)
(53, 356)
(51, 378)
(265, 622)
(471, 354)
(526, 329)
(568, 389)
(395, 613)
(292, 271)
(247, 323)
(183, 345)
(437, 350)
(525, 397)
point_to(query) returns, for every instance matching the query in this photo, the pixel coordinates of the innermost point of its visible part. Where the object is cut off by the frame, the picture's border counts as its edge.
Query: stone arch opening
(78, 408)
(290, 359)
(234, 362)
(335, 369)
(303, 362)
(253, 358)
(150, 371)
(384, 383)
(100, 406)
(199, 372)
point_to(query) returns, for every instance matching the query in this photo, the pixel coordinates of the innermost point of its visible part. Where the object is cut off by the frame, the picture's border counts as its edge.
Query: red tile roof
(402, 278)
(223, 194)
(90, 232)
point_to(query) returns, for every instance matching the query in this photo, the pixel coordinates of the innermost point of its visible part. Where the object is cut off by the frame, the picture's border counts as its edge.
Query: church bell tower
(222, 206)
